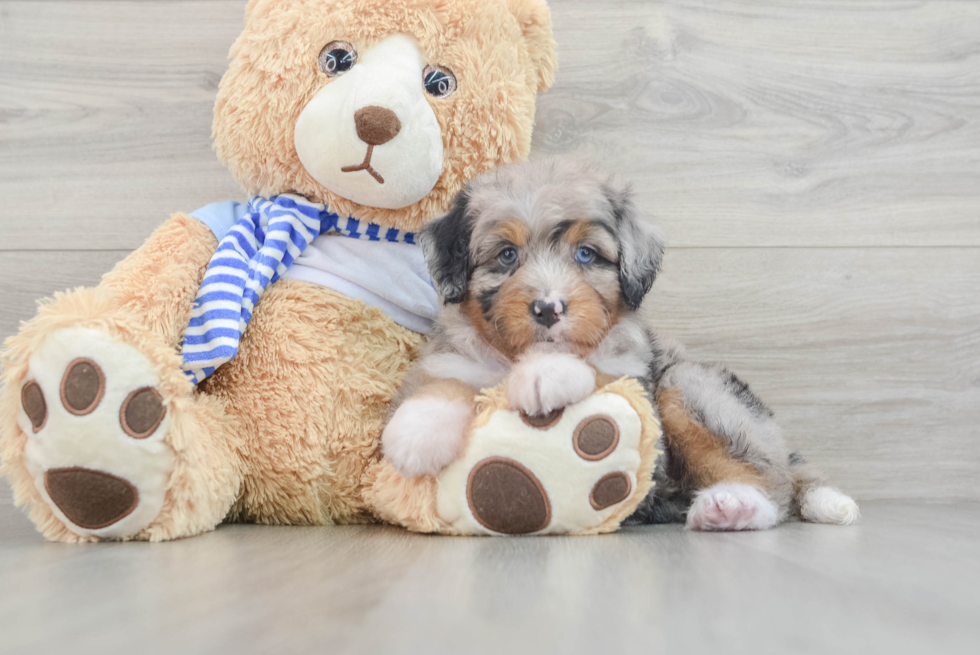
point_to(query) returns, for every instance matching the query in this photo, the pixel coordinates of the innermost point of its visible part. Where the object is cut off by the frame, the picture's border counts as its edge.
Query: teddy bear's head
(382, 109)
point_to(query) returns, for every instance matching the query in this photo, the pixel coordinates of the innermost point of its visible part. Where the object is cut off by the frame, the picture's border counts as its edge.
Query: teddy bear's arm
(159, 280)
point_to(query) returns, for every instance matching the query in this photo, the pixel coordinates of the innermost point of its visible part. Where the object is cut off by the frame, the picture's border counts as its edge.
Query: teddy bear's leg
(581, 469)
(314, 376)
(103, 436)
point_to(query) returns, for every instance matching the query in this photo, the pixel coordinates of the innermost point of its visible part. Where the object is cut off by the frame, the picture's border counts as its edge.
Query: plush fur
(285, 432)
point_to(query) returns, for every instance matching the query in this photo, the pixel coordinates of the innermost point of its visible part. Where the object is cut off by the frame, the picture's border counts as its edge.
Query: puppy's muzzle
(546, 312)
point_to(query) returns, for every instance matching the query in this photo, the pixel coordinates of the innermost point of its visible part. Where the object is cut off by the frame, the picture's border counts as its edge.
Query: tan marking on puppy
(589, 233)
(577, 233)
(515, 231)
(506, 327)
(602, 379)
(590, 317)
(422, 385)
(448, 389)
(700, 453)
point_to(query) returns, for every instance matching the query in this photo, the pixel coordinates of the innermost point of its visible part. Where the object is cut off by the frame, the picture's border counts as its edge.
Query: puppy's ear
(446, 244)
(641, 247)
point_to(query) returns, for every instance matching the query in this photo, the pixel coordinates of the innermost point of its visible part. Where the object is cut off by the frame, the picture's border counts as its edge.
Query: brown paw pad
(82, 387)
(595, 438)
(543, 421)
(36, 408)
(506, 497)
(611, 488)
(142, 412)
(90, 499)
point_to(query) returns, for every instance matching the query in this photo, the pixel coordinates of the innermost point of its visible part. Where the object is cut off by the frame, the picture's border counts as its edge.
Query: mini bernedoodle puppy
(542, 267)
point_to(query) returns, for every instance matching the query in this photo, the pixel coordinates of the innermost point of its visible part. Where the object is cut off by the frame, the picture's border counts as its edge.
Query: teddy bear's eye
(439, 81)
(337, 57)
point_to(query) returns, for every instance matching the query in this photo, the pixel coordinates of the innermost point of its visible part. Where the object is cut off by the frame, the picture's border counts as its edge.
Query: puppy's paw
(541, 384)
(732, 507)
(828, 505)
(425, 435)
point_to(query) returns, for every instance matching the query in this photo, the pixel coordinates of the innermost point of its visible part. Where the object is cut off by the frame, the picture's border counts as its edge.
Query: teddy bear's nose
(376, 125)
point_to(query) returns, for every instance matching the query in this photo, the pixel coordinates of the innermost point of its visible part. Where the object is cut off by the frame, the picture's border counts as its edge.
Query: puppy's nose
(376, 125)
(547, 312)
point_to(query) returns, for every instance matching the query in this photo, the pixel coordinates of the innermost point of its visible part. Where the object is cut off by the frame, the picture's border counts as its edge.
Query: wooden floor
(904, 581)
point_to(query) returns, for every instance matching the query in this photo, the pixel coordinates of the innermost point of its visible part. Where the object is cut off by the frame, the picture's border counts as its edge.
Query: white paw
(828, 505)
(541, 384)
(425, 435)
(732, 507)
(95, 426)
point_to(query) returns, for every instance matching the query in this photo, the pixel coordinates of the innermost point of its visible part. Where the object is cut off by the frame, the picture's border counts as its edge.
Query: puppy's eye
(585, 255)
(507, 256)
(337, 57)
(439, 81)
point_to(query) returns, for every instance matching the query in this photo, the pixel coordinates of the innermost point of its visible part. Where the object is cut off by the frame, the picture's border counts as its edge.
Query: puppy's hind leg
(729, 494)
(815, 500)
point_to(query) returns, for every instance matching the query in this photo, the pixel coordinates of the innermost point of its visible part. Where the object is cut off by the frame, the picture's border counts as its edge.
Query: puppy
(542, 267)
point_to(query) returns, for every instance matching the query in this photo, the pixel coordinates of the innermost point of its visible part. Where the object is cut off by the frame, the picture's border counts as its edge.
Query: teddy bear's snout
(376, 125)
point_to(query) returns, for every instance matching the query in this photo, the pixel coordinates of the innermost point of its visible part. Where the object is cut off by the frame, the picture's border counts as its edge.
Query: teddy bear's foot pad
(505, 497)
(563, 473)
(95, 424)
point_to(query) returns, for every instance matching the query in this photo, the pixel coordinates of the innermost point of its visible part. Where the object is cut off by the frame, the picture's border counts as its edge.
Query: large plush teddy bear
(239, 364)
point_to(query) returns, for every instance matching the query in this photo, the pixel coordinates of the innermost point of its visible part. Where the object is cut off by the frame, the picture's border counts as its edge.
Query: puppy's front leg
(541, 383)
(427, 431)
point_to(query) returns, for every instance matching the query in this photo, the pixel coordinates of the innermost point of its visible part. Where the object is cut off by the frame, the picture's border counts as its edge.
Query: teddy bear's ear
(534, 17)
(250, 7)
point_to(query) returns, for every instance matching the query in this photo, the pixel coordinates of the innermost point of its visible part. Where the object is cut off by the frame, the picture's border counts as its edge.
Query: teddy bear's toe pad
(90, 499)
(95, 426)
(35, 407)
(565, 473)
(82, 387)
(611, 489)
(505, 497)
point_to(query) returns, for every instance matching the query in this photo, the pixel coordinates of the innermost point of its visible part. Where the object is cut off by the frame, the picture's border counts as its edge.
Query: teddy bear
(238, 365)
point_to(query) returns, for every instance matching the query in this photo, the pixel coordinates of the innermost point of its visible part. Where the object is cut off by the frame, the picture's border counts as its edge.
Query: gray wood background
(815, 163)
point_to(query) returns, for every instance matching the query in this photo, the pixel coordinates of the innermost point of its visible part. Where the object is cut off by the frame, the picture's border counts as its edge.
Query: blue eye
(585, 255)
(507, 256)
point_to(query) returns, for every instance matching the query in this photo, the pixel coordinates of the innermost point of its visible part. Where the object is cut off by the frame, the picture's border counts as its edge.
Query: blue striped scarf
(253, 255)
